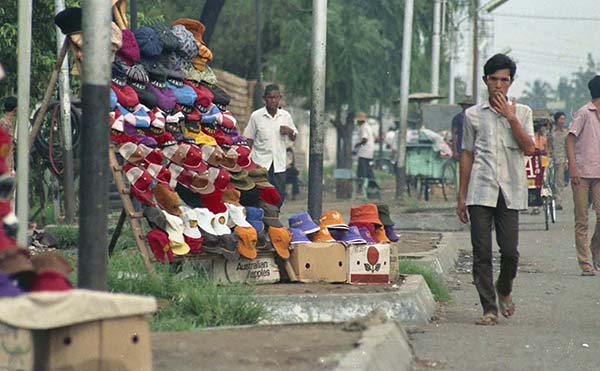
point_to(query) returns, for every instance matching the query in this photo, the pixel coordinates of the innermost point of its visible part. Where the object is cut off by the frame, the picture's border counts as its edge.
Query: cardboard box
(16, 348)
(319, 262)
(262, 270)
(118, 344)
(394, 261)
(369, 263)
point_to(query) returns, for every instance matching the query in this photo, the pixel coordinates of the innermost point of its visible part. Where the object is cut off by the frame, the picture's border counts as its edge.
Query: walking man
(457, 127)
(558, 137)
(493, 185)
(267, 131)
(583, 151)
(366, 149)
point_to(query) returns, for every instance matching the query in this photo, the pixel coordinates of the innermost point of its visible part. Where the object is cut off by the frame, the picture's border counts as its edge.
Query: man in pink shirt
(583, 152)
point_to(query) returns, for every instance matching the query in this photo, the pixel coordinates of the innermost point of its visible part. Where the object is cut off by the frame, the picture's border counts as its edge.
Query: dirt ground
(325, 288)
(284, 347)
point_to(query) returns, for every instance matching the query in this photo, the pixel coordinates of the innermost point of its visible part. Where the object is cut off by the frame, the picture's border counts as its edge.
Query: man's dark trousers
(507, 236)
(278, 181)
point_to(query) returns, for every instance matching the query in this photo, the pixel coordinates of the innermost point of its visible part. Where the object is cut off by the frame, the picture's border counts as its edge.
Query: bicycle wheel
(553, 210)
(448, 180)
(546, 206)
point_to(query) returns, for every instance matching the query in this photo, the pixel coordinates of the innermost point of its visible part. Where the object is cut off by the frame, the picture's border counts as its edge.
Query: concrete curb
(440, 260)
(412, 305)
(381, 348)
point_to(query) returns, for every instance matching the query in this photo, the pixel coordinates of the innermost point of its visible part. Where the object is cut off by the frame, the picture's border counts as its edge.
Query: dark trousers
(278, 180)
(364, 169)
(507, 236)
(291, 177)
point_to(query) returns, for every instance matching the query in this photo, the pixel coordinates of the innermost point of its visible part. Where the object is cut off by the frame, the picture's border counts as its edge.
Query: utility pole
(475, 73)
(404, 87)
(23, 90)
(257, 98)
(64, 92)
(435, 48)
(451, 67)
(317, 112)
(94, 179)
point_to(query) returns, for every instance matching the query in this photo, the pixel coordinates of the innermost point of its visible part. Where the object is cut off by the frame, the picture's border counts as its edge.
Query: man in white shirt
(365, 146)
(266, 132)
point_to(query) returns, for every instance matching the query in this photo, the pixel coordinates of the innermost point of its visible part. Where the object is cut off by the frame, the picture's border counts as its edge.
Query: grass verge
(438, 288)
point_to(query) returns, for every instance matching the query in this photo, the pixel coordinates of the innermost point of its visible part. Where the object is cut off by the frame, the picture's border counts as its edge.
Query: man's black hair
(557, 115)
(271, 87)
(10, 103)
(594, 86)
(500, 62)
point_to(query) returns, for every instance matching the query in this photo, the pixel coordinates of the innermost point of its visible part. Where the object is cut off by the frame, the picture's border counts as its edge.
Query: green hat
(384, 214)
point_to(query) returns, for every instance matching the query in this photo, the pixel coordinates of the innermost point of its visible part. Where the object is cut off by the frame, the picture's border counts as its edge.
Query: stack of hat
(366, 219)
(339, 230)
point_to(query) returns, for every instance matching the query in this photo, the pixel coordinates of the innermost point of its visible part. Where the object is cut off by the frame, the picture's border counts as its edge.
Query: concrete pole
(258, 90)
(475, 46)
(23, 91)
(317, 112)
(451, 73)
(404, 91)
(64, 93)
(435, 48)
(95, 175)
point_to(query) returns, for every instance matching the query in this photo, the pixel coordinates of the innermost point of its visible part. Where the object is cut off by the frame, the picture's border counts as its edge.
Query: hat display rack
(176, 156)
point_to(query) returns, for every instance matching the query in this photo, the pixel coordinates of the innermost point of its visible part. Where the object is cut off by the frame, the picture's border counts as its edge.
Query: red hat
(130, 51)
(244, 159)
(141, 183)
(204, 96)
(159, 244)
(159, 173)
(126, 95)
(137, 153)
(50, 281)
(229, 123)
(213, 202)
(219, 177)
(180, 175)
(186, 155)
(269, 195)
(194, 115)
(221, 138)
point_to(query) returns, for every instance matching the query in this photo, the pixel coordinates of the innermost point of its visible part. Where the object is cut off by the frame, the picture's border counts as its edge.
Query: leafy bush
(438, 288)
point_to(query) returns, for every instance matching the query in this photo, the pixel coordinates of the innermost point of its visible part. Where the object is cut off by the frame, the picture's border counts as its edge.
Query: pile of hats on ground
(369, 223)
(184, 158)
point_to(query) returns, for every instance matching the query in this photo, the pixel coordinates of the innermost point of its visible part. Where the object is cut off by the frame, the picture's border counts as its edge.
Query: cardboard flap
(46, 310)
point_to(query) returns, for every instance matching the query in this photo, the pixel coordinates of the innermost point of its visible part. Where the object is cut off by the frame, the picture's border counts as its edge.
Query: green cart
(425, 167)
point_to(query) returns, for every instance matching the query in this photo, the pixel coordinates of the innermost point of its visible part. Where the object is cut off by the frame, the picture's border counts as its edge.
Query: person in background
(365, 147)
(7, 123)
(267, 132)
(291, 172)
(557, 139)
(541, 148)
(457, 127)
(583, 152)
(497, 133)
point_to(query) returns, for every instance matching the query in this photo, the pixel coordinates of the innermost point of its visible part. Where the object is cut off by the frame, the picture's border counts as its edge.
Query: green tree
(537, 94)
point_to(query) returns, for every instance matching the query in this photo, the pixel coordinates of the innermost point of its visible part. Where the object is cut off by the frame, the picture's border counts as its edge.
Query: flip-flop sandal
(488, 319)
(588, 273)
(507, 309)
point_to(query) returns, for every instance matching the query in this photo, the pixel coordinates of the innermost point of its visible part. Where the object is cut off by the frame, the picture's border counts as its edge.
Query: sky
(544, 47)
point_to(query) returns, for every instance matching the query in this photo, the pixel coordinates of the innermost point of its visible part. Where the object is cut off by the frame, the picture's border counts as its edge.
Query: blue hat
(303, 222)
(389, 232)
(365, 233)
(149, 42)
(184, 95)
(8, 287)
(254, 216)
(298, 236)
(113, 99)
(350, 236)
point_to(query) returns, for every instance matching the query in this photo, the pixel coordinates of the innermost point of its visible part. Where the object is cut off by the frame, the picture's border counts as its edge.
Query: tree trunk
(210, 13)
(344, 153)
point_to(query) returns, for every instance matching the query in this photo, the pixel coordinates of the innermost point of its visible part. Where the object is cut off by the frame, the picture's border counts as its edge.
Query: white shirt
(368, 149)
(269, 145)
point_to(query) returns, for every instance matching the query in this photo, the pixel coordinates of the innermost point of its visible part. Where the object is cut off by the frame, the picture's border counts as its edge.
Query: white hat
(219, 223)
(205, 218)
(190, 224)
(175, 230)
(237, 216)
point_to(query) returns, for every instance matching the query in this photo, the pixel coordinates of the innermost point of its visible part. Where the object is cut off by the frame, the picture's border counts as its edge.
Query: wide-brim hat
(190, 224)
(51, 261)
(260, 177)
(304, 222)
(230, 161)
(167, 199)
(241, 181)
(231, 196)
(155, 218)
(349, 236)
(219, 223)
(237, 216)
(271, 217)
(366, 213)
(333, 219)
(390, 233)
(204, 217)
(254, 216)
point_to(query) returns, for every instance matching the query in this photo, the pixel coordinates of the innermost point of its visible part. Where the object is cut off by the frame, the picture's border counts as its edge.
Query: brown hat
(51, 261)
(15, 260)
(231, 196)
(260, 177)
(167, 199)
(241, 181)
(361, 116)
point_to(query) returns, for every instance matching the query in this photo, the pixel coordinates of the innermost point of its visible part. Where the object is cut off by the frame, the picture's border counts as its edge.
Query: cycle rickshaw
(540, 172)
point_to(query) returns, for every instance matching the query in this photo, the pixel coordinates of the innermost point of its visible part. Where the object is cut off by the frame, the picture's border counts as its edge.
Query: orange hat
(380, 235)
(167, 199)
(333, 219)
(366, 213)
(15, 260)
(322, 235)
(281, 239)
(246, 241)
(51, 261)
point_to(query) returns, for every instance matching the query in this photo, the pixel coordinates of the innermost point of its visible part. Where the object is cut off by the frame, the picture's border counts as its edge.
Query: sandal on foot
(588, 273)
(488, 319)
(507, 309)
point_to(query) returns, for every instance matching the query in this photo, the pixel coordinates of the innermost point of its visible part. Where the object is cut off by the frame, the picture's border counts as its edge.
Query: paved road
(557, 322)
